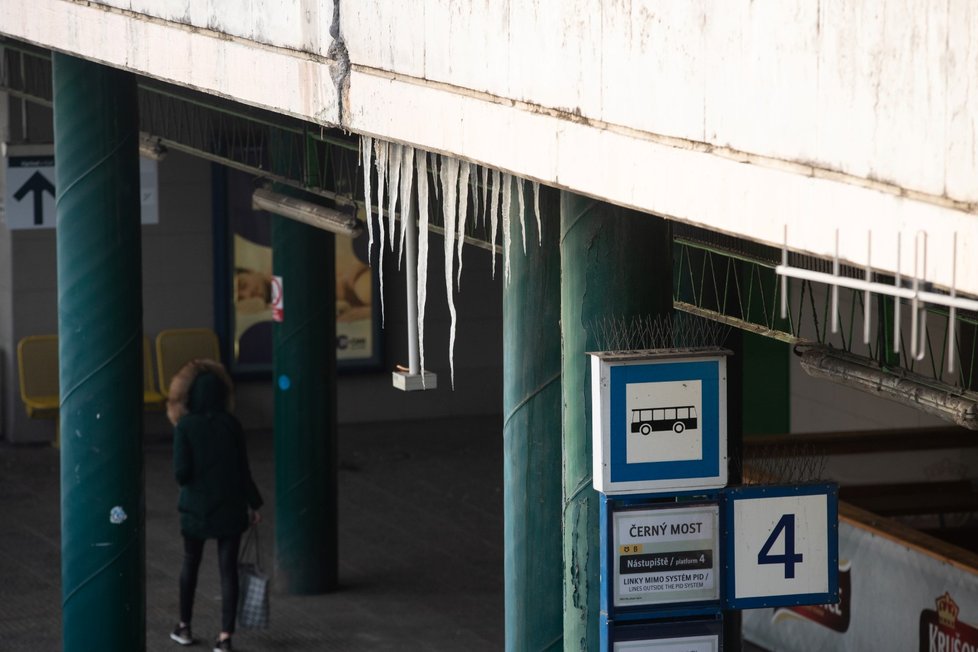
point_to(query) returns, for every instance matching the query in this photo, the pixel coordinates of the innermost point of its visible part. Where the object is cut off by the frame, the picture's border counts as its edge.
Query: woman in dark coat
(216, 489)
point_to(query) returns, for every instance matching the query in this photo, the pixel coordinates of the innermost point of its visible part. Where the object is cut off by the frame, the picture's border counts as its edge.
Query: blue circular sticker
(284, 382)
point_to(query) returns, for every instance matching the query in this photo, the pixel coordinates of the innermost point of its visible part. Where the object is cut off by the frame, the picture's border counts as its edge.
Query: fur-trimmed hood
(186, 395)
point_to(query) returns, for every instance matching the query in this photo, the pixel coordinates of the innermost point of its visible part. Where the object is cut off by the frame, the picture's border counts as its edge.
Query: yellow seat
(37, 369)
(178, 346)
(153, 399)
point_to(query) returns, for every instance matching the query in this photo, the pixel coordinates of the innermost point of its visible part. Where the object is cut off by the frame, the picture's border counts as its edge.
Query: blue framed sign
(704, 635)
(660, 420)
(782, 545)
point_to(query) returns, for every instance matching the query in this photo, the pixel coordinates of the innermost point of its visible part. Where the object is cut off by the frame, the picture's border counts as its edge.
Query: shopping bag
(253, 585)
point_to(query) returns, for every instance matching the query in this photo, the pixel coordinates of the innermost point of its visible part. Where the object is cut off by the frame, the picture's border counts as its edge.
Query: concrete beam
(743, 118)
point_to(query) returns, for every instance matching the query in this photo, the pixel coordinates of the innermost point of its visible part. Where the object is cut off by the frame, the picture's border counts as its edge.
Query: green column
(614, 263)
(100, 331)
(305, 409)
(531, 440)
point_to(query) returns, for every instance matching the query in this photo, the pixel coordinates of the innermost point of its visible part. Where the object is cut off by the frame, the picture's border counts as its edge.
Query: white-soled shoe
(181, 634)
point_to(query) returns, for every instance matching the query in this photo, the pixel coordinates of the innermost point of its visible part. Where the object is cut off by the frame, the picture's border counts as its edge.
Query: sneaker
(181, 634)
(222, 646)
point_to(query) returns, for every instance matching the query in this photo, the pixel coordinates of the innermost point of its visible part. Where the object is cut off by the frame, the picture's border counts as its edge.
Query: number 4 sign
(782, 545)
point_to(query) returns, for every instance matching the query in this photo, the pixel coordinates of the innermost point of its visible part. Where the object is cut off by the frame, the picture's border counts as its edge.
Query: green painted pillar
(305, 409)
(100, 333)
(531, 439)
(614, 263)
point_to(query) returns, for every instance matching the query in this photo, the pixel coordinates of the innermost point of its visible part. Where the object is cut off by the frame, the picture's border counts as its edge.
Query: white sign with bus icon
(659, 420)
(664, 423)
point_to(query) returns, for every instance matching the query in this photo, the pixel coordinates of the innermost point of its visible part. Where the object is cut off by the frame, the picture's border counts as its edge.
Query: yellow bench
(153, 398)
(178, 346)
(37, 367)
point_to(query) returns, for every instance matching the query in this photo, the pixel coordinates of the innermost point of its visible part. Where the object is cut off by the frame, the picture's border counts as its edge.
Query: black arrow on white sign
(37, 184)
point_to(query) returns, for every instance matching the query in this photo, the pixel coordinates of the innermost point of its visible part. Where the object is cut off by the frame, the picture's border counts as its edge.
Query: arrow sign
(38, 185)
(29, 171)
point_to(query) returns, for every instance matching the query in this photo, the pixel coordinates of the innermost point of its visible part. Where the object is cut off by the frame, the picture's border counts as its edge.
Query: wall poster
(358, 344)
(898, 591)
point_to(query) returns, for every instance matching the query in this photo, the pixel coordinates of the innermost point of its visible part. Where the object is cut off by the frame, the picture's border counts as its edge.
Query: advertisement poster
(894, 596)
(255, 305)
(665, 555)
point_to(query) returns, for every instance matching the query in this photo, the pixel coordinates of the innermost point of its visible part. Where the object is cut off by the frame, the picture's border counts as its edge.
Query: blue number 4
(789, 558)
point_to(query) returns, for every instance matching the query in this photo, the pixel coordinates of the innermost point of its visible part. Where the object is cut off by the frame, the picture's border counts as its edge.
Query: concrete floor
(421, 550)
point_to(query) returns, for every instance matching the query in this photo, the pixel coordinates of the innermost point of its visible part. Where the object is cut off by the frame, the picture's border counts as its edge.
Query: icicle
(366, 153)
(476, 209)
(463, 210)
(449, 186)
(506, 209)
(394, 179)
(493, 212)
(382, 149)
(536, 209)
(485, 195)
(434, 172)
(380, 153)
(422, 162)
(407, 180)
(519, 195)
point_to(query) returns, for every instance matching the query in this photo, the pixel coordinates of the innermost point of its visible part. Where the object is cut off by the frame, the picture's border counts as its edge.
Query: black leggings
(227, 559)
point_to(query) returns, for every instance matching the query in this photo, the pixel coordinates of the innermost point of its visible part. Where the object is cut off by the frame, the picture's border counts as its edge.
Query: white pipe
(835, 286)
(898, 282)
(411, 251)
(784, 279)
(878, 288)
(952, 318)
(869, 279)
(919, 325)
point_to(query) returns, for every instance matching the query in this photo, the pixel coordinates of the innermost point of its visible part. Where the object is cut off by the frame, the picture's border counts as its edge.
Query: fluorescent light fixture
(151, 147)
(321, 217)
(924, 394)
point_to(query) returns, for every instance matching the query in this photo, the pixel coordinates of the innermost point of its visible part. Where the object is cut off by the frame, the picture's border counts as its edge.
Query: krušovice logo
(941, 631)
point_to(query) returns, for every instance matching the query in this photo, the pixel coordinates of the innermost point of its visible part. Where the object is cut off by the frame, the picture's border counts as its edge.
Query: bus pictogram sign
(678, 419)
(659, 420)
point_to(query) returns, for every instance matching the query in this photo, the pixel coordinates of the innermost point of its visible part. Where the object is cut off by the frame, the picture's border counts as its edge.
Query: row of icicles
(492, 190)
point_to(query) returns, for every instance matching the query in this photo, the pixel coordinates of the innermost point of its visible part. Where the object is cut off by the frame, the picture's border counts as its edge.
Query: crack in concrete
(338, 61)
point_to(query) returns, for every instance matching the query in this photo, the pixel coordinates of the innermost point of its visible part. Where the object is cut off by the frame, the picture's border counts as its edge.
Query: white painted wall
(301, 25)
(876, 90)
(739, 116)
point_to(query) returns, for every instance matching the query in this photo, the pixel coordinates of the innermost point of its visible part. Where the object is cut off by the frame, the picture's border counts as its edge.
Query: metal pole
(304, 377)
(410, 227)
(532, 441)
(305, 409)
(603, 250)
(100, 336)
